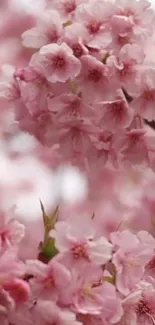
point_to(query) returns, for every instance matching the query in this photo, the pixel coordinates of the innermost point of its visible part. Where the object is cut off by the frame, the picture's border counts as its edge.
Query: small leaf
(49, 250)
(49, 221)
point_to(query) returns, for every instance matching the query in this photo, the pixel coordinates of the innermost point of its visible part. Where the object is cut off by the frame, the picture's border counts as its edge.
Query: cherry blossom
(81, 245)
(46, 32)
(57, 62)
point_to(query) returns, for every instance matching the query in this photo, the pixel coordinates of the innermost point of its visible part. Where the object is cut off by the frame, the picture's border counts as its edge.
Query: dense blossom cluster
(81, 275)
(90, 83)
(85, 95)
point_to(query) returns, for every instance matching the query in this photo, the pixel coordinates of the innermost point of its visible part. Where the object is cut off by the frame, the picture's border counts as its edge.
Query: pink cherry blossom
(47, 31)
(66, 8)
(135, 17)
(51, 280)
(47, 311)
(9, 88)
(57, 62)
(81, 244)
(74, 38)
(129, 308)
(133, 146)
(145, 307)
(34, 88)
(143, 102)
(129, 59)
(74, 136)
(69, 108)
(7, 305)
(93, 74)
(18, 289)
(11, 232)
(132, 255)
(115, 114)
(95, 15)
(92, 296)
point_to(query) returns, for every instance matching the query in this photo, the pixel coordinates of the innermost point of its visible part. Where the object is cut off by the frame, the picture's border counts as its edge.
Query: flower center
(49, 282)
(52, 36)
(151, 264)
(44, 119)
(123, 40)
(79, 251)
(127, 70)
(95, 75)
(77, 50)
(93, 27)
(149, 94)
(143, 308)
(70, 6)
(117, 107)
(86, 291)
(59, 61)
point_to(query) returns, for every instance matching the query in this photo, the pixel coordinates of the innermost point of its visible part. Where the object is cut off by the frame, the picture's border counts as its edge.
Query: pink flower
(34, 88)
(96, 159)
(130, 58)
(133, 147)
(131, 256)
(134, 17)
(94, 16)
(80, 244)
(115, 114)
(66, 8)
(18, 289)
(58, 62)
(144, 93)
(129, 307)
(145, 308)
(7, 306)
(47, 312)
(48, 30)
(74, 37)
(74, 136)
(92, 295)
(39, 124)
(9, 88)
(49, 280)
(69, 108)
(93, 74)
(11, 232)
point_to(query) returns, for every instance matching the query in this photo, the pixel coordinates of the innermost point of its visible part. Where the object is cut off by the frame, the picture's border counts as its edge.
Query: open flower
(57, 62)
(80, 244)
(47, 30)
(131, 256)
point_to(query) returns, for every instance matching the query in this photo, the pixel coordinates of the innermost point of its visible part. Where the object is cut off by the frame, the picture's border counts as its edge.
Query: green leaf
(49, 221)
(49, 250)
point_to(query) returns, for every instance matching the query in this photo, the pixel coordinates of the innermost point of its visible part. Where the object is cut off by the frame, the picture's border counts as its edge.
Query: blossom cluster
(79, 276)
(85, 95)
(90, 83)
